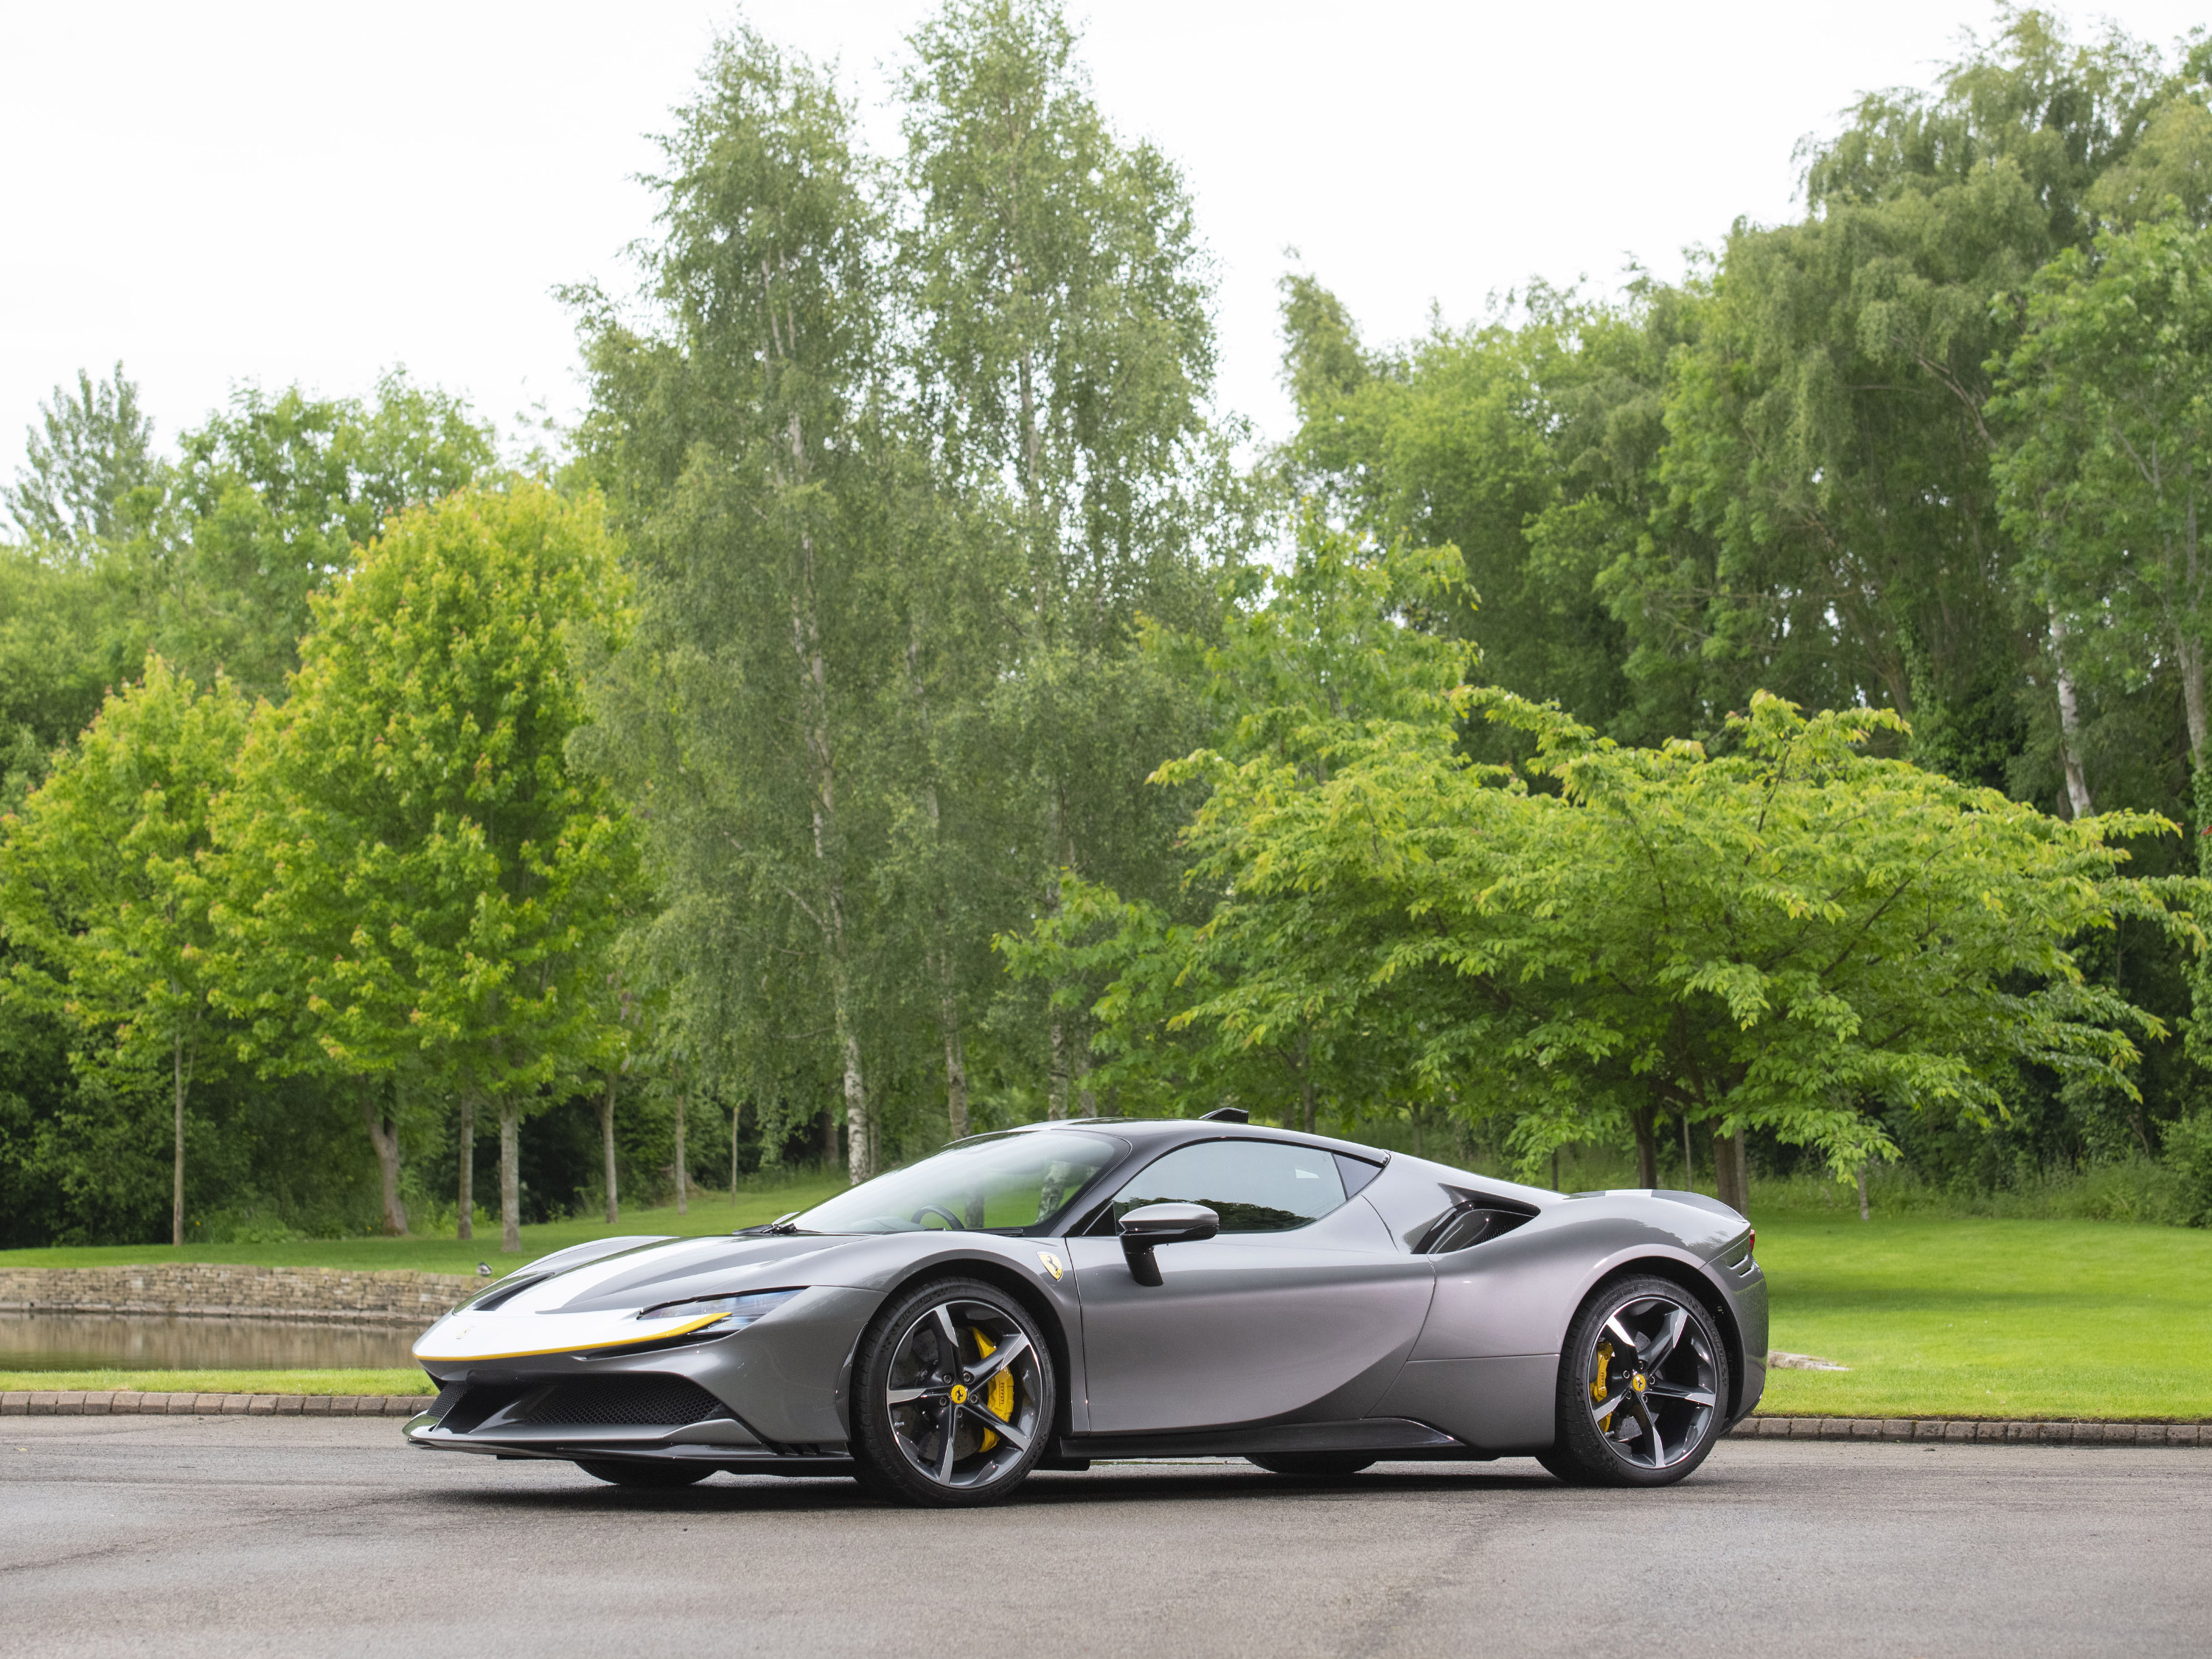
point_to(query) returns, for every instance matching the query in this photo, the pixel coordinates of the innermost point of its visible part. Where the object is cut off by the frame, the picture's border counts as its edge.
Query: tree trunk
(1647, 1145)
(829, 1138)
(465, 1229)
(384, 1135)
(1055, 1089)
(177, 1180)
(2069, 722)
(857, 1166)
(814, 686)
(607, 1147)
(1689, 1164)
(682, 1161)
(510, 1176)
(1306, 1099)
(940, 958)
(734, 1110)
(1863, 1214)
(2191, 654)
(1731, 1173)
(955, 1057)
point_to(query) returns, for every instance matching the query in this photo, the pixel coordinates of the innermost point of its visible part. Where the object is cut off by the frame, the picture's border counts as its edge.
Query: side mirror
(1143, 1231)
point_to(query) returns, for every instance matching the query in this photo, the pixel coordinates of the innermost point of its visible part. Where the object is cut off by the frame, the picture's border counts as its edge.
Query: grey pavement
(234, 1536)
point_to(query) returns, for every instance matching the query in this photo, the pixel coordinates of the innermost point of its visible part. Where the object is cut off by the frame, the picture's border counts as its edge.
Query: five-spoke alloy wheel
(1643, 1387)
(952, 1398)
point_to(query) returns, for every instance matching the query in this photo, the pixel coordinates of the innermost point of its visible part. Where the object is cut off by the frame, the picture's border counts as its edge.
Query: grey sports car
(1124, 1289)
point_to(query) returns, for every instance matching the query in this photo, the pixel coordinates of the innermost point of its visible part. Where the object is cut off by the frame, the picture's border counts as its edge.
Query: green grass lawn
(1935, 1317)
(710, 1212)
(1971, 1318)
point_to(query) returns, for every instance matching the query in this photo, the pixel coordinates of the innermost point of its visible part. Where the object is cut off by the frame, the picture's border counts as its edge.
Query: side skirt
(1392, 1437)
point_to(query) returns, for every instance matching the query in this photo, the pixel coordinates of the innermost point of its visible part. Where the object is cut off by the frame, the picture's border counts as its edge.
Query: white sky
(244, 190)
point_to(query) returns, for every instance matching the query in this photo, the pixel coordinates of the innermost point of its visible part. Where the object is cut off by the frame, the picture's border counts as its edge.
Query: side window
(1254, 1186)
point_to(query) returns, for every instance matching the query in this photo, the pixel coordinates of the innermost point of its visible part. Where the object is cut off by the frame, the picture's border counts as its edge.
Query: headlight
(736, 1311)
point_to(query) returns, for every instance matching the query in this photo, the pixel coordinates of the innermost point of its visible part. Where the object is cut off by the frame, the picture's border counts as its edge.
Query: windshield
(1007, 1183)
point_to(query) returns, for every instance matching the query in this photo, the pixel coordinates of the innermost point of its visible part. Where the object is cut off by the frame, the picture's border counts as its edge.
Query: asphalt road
(235, 1537)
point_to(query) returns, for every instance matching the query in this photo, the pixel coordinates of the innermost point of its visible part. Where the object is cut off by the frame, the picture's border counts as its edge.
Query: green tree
(69, 631)
(1325, 649)
(744, 449)
(1063, 354)
(276, 492)
(1530, 442)
(427, 890)
(107, 880)
(1783, 933)
(2106, 468)
(1831, 529)
(89, 465)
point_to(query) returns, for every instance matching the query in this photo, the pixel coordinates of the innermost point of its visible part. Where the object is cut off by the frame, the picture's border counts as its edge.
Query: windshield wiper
(786, 1223)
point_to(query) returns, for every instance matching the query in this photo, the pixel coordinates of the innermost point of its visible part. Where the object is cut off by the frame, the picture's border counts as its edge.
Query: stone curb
(128, 1402)
(1953, 1430)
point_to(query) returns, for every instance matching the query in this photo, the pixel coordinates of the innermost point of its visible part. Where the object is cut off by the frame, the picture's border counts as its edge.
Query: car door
(1304, 1304)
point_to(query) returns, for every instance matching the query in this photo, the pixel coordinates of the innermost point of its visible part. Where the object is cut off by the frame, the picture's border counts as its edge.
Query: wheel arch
(1709, 1297)
(1000, 1276)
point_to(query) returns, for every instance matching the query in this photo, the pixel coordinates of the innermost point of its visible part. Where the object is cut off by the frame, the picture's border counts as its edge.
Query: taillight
(1750, 1242)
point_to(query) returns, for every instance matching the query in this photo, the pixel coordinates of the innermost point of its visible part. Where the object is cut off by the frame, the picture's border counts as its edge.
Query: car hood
(552, 1307)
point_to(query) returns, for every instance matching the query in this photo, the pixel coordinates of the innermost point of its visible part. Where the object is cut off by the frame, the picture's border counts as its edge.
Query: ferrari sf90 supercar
(1111, 1288)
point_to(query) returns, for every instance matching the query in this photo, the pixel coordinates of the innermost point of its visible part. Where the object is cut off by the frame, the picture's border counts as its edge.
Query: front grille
(674, 1400)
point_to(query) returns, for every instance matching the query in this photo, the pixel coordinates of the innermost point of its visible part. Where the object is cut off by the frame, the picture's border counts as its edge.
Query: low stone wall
(234, 1292)
(124, 1402)
(1981, 1431)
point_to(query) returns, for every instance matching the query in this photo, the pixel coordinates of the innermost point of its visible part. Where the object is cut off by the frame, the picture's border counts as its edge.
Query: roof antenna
(1227, 1114)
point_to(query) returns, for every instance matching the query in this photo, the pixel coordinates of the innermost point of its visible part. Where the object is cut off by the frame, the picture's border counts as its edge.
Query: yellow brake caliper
(1597, 1381)
(998, 1393)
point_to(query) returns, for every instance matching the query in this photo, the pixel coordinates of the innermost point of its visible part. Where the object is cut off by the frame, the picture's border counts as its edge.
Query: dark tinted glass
(1254, 1186)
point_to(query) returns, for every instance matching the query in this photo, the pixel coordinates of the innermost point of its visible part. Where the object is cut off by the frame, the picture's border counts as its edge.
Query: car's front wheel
(952, 1396)
(651, 1476)
(1643, 1385)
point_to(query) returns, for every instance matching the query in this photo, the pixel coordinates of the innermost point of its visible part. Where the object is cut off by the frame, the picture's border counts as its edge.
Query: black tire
(1652, 1423)
(1314, 1465)
(655, 1477)
(931, 1379)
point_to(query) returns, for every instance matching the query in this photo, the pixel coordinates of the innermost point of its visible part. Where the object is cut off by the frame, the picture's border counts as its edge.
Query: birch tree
(1063, 352)
(2106, 474)
(738, 429)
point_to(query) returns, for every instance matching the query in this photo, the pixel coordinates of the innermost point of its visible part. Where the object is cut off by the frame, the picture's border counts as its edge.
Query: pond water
(159, 1342)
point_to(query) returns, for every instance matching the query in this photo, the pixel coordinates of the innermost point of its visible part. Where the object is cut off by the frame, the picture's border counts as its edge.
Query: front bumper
(721, 1443)
(771, 1396)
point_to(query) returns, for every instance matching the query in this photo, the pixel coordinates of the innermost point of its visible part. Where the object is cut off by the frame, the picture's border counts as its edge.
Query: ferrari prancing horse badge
(1053, 1264)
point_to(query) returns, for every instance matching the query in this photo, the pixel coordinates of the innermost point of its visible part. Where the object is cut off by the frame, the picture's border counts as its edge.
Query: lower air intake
(640, 1400)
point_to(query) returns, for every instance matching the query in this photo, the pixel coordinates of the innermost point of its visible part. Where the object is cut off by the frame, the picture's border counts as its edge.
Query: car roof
(1148, 1129)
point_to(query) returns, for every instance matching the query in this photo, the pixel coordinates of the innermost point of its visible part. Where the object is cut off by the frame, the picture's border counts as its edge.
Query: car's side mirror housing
(1143, 1231)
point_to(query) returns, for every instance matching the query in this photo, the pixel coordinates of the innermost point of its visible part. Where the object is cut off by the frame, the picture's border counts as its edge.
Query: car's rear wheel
(653, 1476)
(952, 1396)
(1314, 1465)
(1643, 1384)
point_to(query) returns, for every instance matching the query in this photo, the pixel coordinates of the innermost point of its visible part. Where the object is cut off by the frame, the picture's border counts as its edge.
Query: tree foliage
(424, 889)
(1779, 932)
(108, 881)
